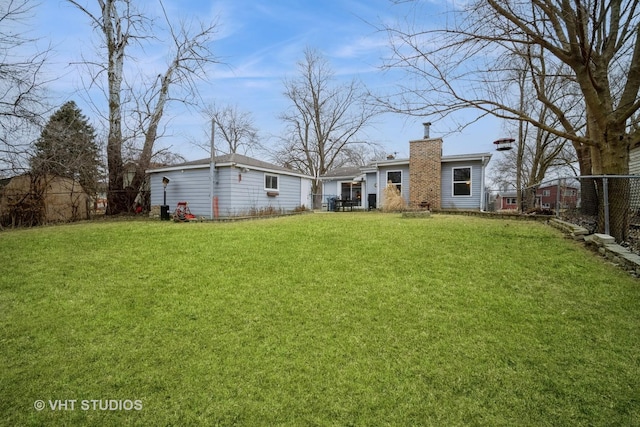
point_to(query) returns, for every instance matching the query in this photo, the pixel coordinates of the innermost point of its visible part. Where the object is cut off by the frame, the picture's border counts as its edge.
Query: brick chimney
(425, 171)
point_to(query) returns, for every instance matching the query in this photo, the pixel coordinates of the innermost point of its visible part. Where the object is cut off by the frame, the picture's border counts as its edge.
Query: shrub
(393, 200)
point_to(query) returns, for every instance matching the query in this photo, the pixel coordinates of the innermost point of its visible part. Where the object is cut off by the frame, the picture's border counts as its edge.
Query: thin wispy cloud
(258, 44)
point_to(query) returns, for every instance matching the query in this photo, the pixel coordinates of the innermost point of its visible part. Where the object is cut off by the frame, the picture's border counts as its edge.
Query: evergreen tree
(67, 148)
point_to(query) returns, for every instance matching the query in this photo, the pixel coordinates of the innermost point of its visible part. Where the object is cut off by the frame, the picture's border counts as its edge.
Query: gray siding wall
(237, 192)
(189, 185)
(382, 182)
(371, 188)
(245, 191)
(449, 201)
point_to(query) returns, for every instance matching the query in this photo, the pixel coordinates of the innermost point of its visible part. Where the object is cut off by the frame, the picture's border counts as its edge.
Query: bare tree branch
(592, 45)
(120, 25)
(22, 87)
(324, 119)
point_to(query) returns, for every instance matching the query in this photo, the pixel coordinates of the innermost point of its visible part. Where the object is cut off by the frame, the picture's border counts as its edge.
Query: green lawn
(322, 319)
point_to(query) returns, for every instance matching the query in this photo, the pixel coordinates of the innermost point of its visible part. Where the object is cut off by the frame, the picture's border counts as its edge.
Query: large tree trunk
(116, 42)
(152, 132)
(116, 199)
(316, 188)
(612, 158)
(588, 193)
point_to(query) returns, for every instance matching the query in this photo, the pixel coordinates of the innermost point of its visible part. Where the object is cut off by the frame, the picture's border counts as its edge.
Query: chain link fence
(600, 203)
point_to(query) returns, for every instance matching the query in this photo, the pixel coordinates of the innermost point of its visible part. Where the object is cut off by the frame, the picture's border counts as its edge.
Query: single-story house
(425, 179)
(231, 185)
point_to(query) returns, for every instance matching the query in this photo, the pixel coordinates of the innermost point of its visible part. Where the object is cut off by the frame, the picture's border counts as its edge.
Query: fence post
(605, 195)
(558, 190)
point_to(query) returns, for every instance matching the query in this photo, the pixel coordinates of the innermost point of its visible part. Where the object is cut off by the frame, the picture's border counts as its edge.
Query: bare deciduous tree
(324, 119)
(191, 53)
(120, 24)
(362, 154)
(538, 151)
(22, 99)
(596, 42)
(234, 127)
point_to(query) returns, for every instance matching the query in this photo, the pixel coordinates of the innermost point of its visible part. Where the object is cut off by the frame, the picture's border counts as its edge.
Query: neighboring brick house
(507, 201)
(426, 178)
(549, 196)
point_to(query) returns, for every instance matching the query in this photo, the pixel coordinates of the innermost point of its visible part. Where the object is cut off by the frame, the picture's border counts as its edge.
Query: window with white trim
(395, 178)
(462, 181)
(270, 182)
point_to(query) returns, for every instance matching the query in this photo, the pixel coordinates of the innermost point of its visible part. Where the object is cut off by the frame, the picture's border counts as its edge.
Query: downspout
(483, 196)
(378, 199)
(212, 169)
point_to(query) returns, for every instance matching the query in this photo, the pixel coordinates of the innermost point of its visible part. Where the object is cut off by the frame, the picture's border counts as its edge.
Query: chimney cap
(426, 129)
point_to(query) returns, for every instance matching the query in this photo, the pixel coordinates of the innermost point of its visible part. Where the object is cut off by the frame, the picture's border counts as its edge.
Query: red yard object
(182, 213)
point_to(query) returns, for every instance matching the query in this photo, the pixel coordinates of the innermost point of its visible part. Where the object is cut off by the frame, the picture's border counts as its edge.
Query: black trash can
(331, 204)
(372, 201)
(164, 213)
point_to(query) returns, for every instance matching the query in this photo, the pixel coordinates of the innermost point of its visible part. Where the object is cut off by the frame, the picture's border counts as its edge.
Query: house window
(511, 200)
(270, 182)
(351, 191)
(546, 193)
(462, 181)
(395, 178)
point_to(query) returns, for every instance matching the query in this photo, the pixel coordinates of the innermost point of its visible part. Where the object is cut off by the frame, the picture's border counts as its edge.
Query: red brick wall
(425, 170)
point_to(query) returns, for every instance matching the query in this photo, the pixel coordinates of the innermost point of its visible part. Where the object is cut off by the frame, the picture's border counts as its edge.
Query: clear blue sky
(260, 42)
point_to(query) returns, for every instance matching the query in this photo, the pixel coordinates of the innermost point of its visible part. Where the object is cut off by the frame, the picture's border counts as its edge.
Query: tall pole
(212, 166)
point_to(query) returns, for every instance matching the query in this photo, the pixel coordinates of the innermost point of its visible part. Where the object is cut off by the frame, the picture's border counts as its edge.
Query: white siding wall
(329, 189)
(305, 193)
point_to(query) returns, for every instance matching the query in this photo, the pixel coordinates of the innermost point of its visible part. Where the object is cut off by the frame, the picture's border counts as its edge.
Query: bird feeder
(504, 144)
